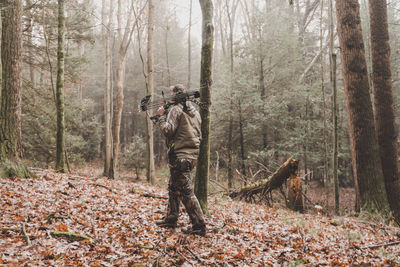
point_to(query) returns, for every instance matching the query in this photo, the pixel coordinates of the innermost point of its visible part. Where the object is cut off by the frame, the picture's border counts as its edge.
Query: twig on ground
(185, 258)
(146, 247)
(54, 216)
(28, 241)
(153, 196)
(382, 227)
(2, 230)
(72, 235)
(194, 254)
(106, 187)
(382, 245)
(378, 246)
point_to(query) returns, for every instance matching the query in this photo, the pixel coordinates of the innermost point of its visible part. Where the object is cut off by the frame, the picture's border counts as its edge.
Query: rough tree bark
(60, 151)
(202, 170)
(11, 91)
(11, 57)
(365, 152)
(30, 45)
(383, 96)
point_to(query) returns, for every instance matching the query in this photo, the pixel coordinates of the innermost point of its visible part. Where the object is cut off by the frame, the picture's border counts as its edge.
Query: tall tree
(333, 68)
(231, 13)
(11, 57)
(150, 85)
(190, 44)
(30, 24)
(324, 106)
(383, 101)
(60, 151)
(106, 34)
(125, 33)
(364, 147)
(1, 66)
(202, 170)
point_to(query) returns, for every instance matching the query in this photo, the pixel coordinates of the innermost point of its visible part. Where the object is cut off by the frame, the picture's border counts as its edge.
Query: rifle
(179, 98)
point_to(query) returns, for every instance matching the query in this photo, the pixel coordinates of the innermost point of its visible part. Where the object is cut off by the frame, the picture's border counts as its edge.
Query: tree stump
(295, 196)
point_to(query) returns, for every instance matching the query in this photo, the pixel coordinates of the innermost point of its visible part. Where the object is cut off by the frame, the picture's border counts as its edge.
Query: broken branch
(28, 240)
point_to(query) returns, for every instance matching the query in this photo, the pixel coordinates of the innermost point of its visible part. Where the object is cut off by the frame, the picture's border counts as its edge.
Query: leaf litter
(86, 221)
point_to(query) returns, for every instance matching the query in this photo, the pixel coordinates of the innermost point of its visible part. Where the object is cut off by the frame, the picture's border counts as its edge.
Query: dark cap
(178, 88)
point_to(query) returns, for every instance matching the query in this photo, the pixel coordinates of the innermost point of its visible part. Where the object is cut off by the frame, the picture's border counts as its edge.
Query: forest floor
(70, 219)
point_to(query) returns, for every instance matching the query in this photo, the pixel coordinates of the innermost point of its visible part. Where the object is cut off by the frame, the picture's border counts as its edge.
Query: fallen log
(265, 187)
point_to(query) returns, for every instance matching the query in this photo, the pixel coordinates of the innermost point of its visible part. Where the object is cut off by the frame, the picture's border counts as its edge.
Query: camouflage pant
(180, 188)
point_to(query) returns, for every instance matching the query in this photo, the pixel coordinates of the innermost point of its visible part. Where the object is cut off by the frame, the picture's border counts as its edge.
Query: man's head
(177, 89)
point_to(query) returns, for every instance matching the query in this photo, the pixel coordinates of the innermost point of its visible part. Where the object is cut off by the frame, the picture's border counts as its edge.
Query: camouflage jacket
(182, 130)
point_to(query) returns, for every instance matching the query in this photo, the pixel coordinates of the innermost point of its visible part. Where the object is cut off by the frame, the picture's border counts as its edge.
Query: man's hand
(160, 110)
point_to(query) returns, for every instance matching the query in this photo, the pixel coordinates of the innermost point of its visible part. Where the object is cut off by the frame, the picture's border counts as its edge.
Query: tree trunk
(120, 94)
(167, 53)
(295, 199)
(190, 45)
(335, 135)
(365, 152)
(326, 184)
(30, 45)
(107, 88)
(263, 98)
(230, 148)
(231, 21)
(124, 38)
(11, 50)
(202, 170)
(243, 158)
(1, 65)
(149, 124)
(118, 111)
(60, 151)
(383, 96)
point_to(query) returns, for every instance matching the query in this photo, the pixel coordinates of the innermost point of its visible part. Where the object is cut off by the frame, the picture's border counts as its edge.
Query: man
(181, 127)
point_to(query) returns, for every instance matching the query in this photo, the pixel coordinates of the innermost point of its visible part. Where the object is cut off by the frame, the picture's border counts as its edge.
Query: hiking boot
(166, 223)
(196, 230)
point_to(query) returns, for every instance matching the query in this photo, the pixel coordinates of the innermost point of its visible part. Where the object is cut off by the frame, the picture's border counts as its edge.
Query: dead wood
(71, 235)
(265, 187)
(153, 196)
(194, 254)
(378, 246)
(106, 187)
(26, 236)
